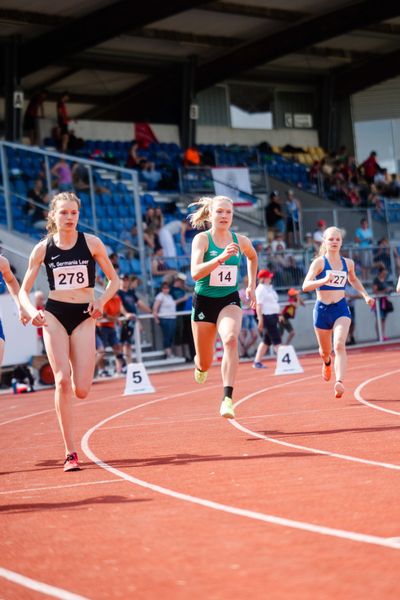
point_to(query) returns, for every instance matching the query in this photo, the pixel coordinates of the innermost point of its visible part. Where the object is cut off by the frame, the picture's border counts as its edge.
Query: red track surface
(297, 500)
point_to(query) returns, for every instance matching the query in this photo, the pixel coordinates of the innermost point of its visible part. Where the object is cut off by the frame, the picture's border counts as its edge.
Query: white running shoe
(226, 409)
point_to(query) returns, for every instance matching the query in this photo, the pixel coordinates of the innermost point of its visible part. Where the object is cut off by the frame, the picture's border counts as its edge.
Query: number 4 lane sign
(287, 361)
(137, 380)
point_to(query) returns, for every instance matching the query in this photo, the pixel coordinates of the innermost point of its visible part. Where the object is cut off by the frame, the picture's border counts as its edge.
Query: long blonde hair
(202, 215)
(322, 248)
(63, 196)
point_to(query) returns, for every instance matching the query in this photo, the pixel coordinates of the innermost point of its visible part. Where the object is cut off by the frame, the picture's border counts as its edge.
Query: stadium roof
(126, 60)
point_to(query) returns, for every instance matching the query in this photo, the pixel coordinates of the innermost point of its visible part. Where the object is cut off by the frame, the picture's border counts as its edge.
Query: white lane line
(348, 457)
(58, 487)
(38, 586)
(50, 410)
(121, 397)
(272, 519)
(96, 400)
(261, 436)
(358, 396)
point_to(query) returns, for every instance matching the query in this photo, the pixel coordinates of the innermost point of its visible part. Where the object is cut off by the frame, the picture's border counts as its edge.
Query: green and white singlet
(223, 280)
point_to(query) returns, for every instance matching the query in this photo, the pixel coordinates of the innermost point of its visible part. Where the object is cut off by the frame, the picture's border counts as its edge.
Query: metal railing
(12, 155)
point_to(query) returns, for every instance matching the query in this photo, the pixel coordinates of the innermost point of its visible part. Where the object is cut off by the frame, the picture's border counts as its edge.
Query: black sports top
(71, 269)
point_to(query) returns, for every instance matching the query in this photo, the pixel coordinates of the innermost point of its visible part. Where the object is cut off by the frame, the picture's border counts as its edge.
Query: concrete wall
(98, 130)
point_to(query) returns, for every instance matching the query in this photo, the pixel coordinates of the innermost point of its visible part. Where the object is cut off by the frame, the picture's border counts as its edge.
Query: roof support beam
(313, 30)
(95, 28)
(352, 80)
(275, 14)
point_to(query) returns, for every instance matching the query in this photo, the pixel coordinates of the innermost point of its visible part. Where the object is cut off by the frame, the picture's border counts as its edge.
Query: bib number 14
(224, 275)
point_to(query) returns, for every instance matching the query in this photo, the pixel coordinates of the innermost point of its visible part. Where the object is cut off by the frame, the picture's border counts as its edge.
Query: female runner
(216, 256)
(70, 314)
(328, 275)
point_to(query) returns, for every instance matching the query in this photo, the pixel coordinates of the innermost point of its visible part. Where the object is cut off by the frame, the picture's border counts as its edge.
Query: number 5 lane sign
(137, 380)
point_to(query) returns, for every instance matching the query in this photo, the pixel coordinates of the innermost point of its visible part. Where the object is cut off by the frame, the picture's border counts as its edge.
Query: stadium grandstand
(263, 109)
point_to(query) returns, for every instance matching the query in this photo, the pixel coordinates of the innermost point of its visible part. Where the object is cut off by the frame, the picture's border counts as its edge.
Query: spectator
(131, 303)
(308, 247)
(151, 238)
(382, 289)
(381, 179)
(278, 249)
(268, 316)
(293, 219)
(149, 175)
(114, 260)
(80, 177)
(248, 333)
(288, 313)
(153, 216)
(75, 144)
(107, 332)
(351, 295)
(274, 215)
(166, 237)
(34, 111)
(370, 167)
(160, 270)
(393, 187)
(318, 234)
(133, 160)
(164, 310)
(187, 234)
(32, 208)
(314, 175)
(130, 237)
(63, 174)
(363, 238)
(382, 255)
(63, 120)
(183, 334)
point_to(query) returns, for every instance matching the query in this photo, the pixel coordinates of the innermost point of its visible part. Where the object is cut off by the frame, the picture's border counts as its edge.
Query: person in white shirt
(164, 311)
(268, 309)
(318, 235)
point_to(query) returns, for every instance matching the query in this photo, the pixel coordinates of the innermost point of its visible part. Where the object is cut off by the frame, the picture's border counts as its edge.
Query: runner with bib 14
(215, 262)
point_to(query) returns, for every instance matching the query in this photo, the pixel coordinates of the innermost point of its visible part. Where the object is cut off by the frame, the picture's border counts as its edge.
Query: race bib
(338, 278)
(224, 275)
(71, 278)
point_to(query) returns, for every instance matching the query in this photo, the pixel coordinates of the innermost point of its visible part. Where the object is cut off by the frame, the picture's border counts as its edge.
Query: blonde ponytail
(202, 215)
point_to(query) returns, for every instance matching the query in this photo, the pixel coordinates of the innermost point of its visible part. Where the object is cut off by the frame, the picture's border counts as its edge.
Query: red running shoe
(326, 370)
(71, 462)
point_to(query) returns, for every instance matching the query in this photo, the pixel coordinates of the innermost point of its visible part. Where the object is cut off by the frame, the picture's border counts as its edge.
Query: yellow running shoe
(226, 408)
(339, 389)
(200, 376)
(326, 370)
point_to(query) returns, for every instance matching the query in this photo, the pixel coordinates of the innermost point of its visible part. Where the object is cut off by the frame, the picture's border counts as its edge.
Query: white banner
(233, 182)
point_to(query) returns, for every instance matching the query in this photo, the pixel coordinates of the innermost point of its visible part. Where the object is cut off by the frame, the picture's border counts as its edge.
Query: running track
(297, 499)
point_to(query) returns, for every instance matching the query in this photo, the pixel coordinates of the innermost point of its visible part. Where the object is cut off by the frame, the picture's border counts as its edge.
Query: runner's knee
(81, 391)
(230, 341)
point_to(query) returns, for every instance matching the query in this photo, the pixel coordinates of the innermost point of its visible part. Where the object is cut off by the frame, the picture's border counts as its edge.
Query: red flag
(144, 135)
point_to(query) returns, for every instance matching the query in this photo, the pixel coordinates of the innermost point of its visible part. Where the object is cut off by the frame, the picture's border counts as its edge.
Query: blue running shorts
(325, 315)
